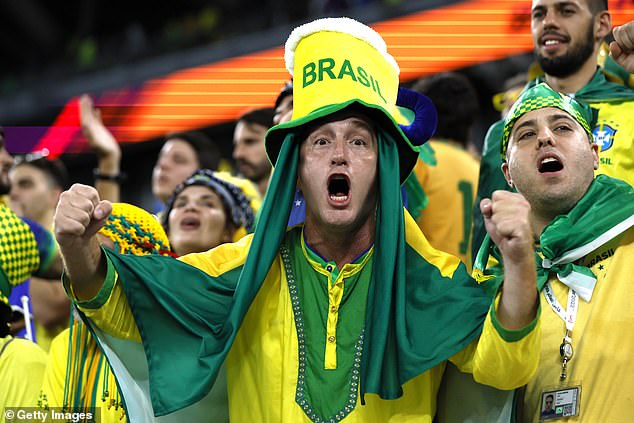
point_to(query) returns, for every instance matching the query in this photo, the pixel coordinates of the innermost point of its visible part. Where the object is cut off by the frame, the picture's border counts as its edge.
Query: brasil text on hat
(360, 75)
(539, 97)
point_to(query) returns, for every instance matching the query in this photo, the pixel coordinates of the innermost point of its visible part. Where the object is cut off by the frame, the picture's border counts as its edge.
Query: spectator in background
(502, 102)
(283, 110)
(248, 147)
(36, 184)
(103, 143)
(567, 36)
(209, 209)
(6, 163)
(180, 156)
(21, 361)
(450, 184)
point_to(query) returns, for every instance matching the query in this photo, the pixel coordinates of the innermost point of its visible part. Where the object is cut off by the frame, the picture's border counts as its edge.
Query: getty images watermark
(51, 415)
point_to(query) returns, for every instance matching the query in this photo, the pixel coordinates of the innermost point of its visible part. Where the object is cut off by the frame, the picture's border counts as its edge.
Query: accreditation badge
(560, 402)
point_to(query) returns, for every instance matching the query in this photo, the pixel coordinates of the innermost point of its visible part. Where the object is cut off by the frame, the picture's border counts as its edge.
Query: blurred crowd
(49, 356)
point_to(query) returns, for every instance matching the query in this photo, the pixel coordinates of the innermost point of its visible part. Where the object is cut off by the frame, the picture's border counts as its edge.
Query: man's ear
(602, 25)
(507, 174)
(595, 155)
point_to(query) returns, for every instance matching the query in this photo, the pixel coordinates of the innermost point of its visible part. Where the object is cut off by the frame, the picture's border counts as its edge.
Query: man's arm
(104, 145)
(622, 48)
(507, 220)
(79, 216)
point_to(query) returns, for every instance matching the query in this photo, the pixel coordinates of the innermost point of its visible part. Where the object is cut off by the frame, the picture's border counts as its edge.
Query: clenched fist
(79, 215)
(507, 220)
(622, 48)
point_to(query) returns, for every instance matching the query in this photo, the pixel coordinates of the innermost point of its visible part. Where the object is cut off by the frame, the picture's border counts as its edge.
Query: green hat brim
(408, 153)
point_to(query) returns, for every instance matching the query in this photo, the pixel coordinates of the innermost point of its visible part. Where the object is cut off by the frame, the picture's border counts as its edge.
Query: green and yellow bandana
(539, 97)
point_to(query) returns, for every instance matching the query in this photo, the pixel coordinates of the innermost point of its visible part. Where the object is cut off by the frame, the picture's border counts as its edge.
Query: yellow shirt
(22, 366)
(614, 134)
(601, 339)
(451, 187)
(262, 365)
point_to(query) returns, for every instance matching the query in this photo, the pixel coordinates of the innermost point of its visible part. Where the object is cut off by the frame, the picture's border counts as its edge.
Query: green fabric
(607, 203)
(416, 197)
(510, 335)
(541, 96)
(491, 178)
(409, 300)
(104, 293)
(327, 390)
(599, 89)
(415, 318)
(427, 154)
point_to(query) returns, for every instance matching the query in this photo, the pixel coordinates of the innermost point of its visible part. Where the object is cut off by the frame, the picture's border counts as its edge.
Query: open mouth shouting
(339, 190)
(549, 164)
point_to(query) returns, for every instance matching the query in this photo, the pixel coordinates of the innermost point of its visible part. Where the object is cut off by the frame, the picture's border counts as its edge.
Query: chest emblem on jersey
(604, 136)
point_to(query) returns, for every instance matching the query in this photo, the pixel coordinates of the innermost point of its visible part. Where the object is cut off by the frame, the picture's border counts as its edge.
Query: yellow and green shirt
(296, 356)
(451, 186)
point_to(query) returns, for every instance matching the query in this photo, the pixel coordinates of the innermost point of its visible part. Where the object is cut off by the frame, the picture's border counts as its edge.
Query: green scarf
(604, 212)
(598, 90)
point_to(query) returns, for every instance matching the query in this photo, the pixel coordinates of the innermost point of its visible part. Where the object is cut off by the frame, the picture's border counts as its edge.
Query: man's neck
(539, 222)
(46, 220)
(340, 247)
(572, 83)
(263, 184)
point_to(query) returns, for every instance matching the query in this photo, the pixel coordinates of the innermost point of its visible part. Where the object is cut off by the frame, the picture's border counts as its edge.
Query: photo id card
(560, 403)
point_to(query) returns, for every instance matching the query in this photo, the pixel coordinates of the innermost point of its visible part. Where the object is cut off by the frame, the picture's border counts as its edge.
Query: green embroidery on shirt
(323, 393)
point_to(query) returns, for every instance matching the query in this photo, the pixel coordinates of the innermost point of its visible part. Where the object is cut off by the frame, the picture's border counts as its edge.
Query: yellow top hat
(337, 64)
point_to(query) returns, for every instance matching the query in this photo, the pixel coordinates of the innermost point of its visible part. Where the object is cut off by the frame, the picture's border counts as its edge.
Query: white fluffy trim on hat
(344, 25)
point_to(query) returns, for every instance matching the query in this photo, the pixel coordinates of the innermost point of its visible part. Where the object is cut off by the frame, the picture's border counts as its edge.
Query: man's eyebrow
(530, 122)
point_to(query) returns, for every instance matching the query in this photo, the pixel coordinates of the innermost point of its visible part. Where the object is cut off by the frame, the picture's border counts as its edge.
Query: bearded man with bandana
(353, 306)
(583, 252)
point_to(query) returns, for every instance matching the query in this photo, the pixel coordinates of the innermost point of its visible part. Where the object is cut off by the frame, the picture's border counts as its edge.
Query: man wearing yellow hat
(324, 321)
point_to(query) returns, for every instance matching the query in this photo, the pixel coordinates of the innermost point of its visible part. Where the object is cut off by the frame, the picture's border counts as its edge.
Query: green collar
(598, 89)
(319, 262)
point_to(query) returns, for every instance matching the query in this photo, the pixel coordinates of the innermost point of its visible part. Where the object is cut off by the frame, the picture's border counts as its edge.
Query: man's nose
(339, 153)
(545, 138)
(550, 20)
(238, 151)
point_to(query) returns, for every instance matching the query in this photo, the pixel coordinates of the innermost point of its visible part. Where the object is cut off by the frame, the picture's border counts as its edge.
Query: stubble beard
(570, 62)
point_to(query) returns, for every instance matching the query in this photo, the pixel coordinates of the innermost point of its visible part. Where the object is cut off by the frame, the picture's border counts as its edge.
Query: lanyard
(569, 317)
